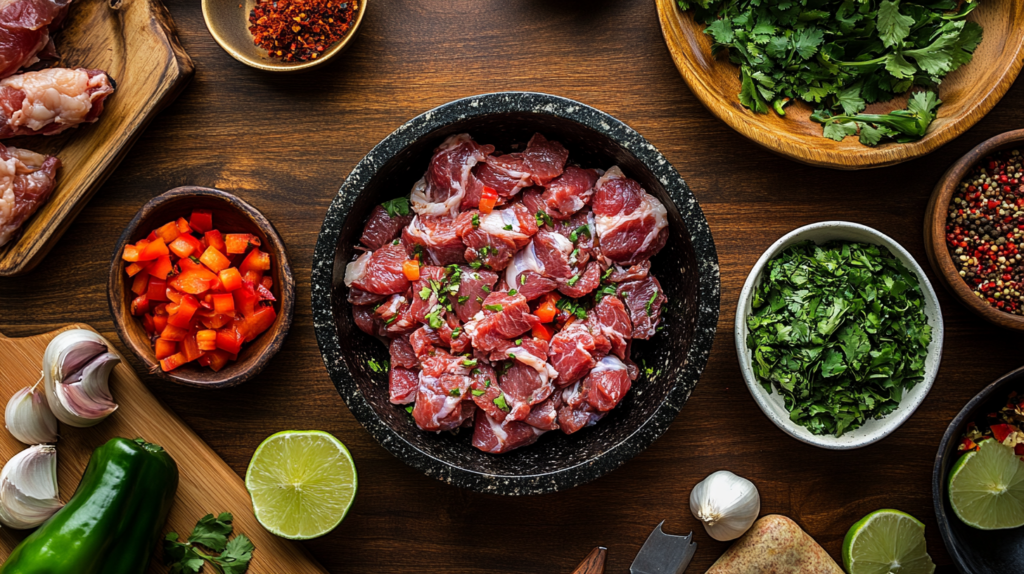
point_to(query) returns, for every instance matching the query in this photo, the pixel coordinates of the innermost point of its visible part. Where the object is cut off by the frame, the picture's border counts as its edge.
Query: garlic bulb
(727, 504)
(29, 418)
(76, 366)
(28, 487)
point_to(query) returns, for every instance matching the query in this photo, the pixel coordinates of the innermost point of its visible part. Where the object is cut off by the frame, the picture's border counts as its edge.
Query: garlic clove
(76, 368)
(29, 418)
(28, 488)
(727, 504)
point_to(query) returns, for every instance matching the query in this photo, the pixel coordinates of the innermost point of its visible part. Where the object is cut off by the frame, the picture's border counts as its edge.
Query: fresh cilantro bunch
(211, 533)
(842, 55)
(838, 330)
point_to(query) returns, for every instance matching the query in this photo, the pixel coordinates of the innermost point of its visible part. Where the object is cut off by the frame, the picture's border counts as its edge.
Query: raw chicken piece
(26, 182)
(25, 27)
(437, 237)
(402, 385)
(379, 271)
(381, 228)
(441, 190)
(632, 225)
(545, 160)
(474, 286)
(497, 437)
(644, 299)
(530, 380)
(609, 318)
(50, 101)
(569, 192)
(607, 383)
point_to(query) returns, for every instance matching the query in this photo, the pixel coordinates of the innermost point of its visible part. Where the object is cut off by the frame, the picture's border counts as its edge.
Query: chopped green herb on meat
(397, 207)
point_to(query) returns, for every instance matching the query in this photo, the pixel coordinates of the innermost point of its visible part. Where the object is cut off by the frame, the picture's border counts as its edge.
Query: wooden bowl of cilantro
(839, 334)
(847, 85)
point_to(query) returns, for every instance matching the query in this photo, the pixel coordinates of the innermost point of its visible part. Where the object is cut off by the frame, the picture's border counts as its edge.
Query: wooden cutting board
(207, 485)
(135, 42)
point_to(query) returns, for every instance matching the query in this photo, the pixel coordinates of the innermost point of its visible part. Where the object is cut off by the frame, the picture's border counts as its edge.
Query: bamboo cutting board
(135, 42)
(207, 485)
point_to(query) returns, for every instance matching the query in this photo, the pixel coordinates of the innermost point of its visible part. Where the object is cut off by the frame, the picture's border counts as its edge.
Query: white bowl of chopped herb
(839, 334)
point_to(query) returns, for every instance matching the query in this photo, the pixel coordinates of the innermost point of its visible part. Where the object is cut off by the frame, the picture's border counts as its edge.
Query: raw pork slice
(381, 228)
(441, 190)
(26, 182)
(569, 192)
(437, 237)
(379, 271)
(644, 299)
(528, 275)
(497, 437)
(50, 101)
(25, 27)
(632, 225)
(581, 283)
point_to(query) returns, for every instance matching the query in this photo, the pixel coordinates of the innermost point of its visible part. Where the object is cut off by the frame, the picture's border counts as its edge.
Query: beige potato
(775, 545)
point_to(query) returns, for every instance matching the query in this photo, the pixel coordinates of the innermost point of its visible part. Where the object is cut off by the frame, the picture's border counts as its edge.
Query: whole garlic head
(76, 368)
(727, 504)
(28, 487)
(29, 418)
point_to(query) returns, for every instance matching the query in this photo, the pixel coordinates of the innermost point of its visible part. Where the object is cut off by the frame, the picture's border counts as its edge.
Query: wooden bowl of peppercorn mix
(283, 35)
(974, 230)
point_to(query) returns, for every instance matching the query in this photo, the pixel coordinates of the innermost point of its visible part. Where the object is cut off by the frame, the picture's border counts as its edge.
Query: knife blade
(664, 553)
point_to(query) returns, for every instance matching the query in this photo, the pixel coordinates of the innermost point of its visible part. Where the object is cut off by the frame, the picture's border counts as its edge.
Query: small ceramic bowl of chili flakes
(200, 288)
(284, 35)
(974, 230)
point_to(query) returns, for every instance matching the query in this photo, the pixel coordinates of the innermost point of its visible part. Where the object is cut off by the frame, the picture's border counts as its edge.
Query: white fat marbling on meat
(356, 270)
(420, 197)
(54, 95)
(524, 260)
(609, 363)
(547, 372)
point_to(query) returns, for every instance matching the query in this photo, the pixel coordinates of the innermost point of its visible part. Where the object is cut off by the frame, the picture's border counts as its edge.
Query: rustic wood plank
(285, 145)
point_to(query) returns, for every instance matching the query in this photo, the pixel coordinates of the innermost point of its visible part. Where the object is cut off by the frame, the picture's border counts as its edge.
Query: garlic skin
(29, 418)
(727, 504)
(76, 368)
(28, 488)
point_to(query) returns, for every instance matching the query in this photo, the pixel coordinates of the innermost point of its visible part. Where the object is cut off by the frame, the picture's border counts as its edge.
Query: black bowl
(976, 551)
(673, 360)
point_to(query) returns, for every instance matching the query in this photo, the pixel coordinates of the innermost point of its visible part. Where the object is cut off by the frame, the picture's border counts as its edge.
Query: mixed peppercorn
(300, 30)
(985, 227)
(1003, 426)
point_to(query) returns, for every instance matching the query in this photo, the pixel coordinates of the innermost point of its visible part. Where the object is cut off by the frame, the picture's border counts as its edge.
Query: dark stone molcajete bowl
(671, 362)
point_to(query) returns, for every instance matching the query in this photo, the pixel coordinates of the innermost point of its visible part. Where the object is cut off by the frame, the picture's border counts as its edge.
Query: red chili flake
(299, 30)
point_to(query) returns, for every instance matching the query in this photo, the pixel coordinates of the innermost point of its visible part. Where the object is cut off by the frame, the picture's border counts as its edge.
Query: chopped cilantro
(478, 392)
(507, 227)
(463, 298)
(408, 409)
(543, 219)
(607, 274)
(425, 293)
(455, 393)
(475, 220)
(604, 291)
(495, 308)
(396, 242)
(522, 279)
(456, 332)
(519, 341)
(485, 288)
(379, 367)
(512, 292)
(575, 279)
(581, 230)
(500, 402)
(469, 363)
(396, 207)
(475, 264)
(650, 302)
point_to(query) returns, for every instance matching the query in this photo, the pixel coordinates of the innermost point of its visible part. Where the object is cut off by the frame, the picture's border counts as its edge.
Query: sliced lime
(887, 542)
(302, 483)
(986, 487)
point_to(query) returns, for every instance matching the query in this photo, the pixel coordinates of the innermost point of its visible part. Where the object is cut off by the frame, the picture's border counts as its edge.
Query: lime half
(887, 541)
(302, 483)
(986, 487)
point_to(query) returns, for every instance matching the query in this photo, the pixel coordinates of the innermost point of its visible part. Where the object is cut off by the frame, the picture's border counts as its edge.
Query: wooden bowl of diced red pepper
(201, 289)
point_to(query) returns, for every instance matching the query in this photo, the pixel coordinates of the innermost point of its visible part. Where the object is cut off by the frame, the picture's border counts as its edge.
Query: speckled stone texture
(671, 363)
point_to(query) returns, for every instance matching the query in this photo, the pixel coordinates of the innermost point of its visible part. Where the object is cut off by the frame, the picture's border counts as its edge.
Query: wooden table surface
(285, 143)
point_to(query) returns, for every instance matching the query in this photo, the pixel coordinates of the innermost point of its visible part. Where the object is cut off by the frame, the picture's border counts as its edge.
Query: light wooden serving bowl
(935, 230)
(230, 215)
(967, 94)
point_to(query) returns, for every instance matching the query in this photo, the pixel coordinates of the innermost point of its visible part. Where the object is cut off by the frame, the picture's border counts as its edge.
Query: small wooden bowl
(230, 215)
(935, 231)
(967, 94)
(228, 23)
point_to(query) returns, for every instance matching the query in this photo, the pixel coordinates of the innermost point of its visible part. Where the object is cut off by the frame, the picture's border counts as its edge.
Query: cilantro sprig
(841, 55)
(839, 330)
(210, 533)
(397, 207)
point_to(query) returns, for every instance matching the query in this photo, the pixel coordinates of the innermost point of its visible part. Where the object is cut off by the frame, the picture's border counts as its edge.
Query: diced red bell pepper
(215, 260)
(253, 276)
(214, 239)
(182, 247)
(966, 445)
(165, 348)
(172, 295)
(161, 268)
(219, 358)
(190, 347)
(1001, 431)
(157, 248)
(267, 282)
(201, 220)
(216, 321)
(192, 263)
(183, 316)
(194, 281)
(256, 260)
(159, 323)
(230, 339)
(168, 232)
(140, 305)
(160, 309)
(148, 325)
(488, 197)
(131, 253)
(136, 268)
(262, 319)
(173, 362)
(411, 269)
(240, 242)
(157, 290)
(207, 340)
(547, 310)
(140, 283)
(172, 333)
(224, 303)
(183, 226)
(205, 359)
(245, 299)
(542, 331)
(230, 279)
